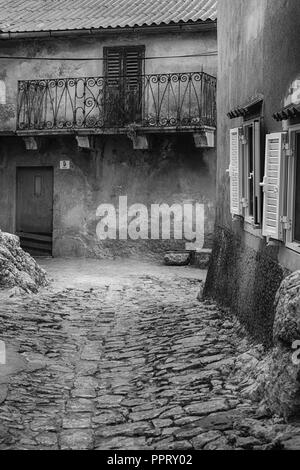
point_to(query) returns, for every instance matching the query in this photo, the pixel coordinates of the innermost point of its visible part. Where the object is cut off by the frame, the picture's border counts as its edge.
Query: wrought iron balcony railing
(160, 100)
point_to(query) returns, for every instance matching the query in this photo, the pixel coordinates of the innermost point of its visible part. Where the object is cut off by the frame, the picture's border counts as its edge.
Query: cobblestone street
(131, 361)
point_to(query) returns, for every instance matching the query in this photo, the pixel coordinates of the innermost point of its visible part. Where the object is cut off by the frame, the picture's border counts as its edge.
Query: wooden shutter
(123, 69)
(272, 187)
(133, 67)
(113, 65)
(235, 172)
(124, 62)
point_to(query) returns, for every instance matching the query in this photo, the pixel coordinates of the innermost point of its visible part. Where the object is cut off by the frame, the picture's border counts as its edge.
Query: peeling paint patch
(293, 93)
(7, 112)
(2, 92)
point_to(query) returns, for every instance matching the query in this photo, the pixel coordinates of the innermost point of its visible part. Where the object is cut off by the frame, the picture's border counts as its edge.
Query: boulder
(177, 258)
(281, 394)
(287, 319)
(17, 268)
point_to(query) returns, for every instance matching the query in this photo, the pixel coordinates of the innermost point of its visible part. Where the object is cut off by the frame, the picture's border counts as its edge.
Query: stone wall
(274, 379)
(245, 280)
(282, 380)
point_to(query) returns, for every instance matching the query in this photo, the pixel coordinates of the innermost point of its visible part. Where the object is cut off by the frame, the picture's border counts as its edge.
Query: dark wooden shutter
(123, 72)
(133, 67)
(133, 70)
(113, 65)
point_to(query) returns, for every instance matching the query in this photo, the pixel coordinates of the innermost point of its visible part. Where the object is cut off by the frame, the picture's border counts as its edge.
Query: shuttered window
(272, 187)
(124, 65)
(251, 163)
(297, 191)
(235, 172)
(123, 68)
(245, 173)
(258, 174)
(291, 223)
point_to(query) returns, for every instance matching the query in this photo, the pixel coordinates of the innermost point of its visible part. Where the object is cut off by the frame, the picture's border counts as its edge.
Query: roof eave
(146, 29)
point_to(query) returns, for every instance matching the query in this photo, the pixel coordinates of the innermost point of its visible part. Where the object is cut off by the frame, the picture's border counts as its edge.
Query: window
(123, 69)
(292, 190)
(297, 191)
(245, 172)
(281, 183)
(251, 162)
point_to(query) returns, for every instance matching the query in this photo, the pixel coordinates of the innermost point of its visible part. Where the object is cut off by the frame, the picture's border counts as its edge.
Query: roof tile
(55, 15)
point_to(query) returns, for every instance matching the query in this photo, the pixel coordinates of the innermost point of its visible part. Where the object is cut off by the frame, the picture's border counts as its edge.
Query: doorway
(34, 209)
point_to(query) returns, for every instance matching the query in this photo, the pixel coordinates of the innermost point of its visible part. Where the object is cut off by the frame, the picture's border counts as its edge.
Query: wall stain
(246, 281)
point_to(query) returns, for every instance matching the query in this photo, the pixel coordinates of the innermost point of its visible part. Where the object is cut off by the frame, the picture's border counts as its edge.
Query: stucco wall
(258, 53)
(173, 171)
(156, 45)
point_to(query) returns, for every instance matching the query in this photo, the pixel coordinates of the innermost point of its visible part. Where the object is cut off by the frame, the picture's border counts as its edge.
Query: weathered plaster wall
(156, 45)
(173, 171)
(258, 53)
(240, 76)
(245, 279)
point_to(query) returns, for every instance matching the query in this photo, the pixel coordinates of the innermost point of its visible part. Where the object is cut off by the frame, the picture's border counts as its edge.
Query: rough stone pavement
(138, 363)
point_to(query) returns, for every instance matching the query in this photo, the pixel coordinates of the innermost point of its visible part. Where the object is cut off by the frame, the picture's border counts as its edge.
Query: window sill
(293, 246)
(253, 229)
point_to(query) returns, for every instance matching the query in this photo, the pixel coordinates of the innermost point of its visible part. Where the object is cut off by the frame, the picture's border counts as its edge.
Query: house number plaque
(65, 164)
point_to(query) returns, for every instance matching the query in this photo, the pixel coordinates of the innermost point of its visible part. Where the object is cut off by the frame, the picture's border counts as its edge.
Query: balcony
(152, 103)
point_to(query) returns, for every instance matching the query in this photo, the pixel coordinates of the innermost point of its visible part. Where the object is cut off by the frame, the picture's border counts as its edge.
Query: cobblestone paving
(140, 365)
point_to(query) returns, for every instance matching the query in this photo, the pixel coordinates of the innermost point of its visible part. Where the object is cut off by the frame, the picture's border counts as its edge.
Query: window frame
(290, 185)
(256, 173)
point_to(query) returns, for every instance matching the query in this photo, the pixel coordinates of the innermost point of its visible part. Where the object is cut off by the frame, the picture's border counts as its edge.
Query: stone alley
(124, 356)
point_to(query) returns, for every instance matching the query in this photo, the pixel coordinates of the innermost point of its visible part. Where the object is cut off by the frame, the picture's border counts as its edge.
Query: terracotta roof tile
(55, 15)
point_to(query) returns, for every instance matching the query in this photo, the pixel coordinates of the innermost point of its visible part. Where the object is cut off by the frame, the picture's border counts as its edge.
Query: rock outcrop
(282, 380)
(273, 376)
(17, 268)
(287, 320)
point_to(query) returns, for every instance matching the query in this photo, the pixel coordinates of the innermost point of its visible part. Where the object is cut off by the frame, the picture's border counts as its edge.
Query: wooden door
(34, 211)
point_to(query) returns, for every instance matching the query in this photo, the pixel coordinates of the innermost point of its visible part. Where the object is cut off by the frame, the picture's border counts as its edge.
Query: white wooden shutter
(272, 206)
(235, 172)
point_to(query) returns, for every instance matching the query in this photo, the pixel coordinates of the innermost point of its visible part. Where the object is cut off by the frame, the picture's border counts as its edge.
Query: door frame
(31, 166)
